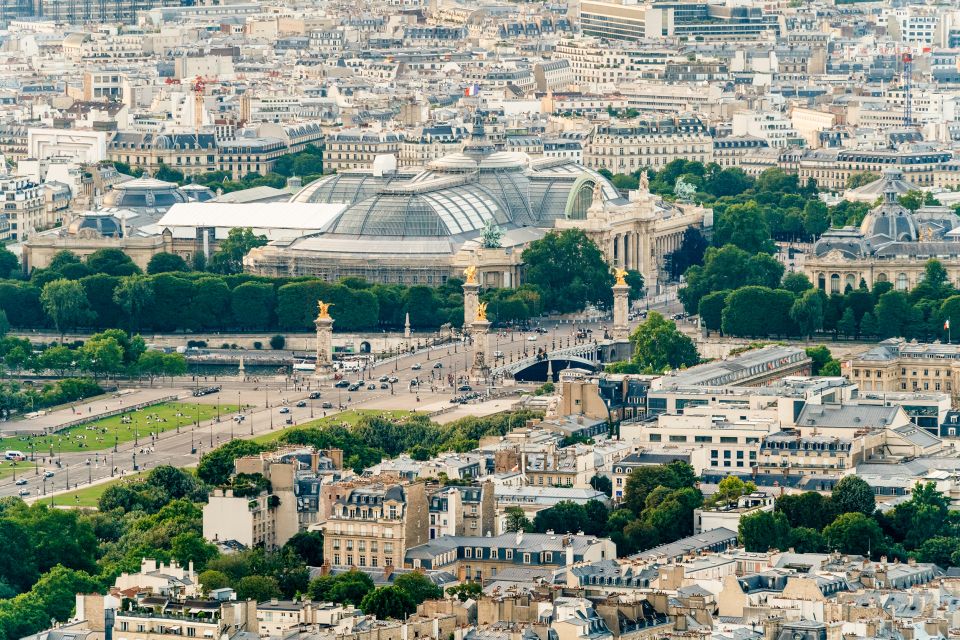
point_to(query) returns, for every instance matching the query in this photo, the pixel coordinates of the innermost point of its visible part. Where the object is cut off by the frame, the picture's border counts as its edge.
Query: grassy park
(87, 496)
(104, 433)
(348, 418)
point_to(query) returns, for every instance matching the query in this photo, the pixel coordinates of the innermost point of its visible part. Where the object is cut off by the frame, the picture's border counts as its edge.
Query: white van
(14, 455)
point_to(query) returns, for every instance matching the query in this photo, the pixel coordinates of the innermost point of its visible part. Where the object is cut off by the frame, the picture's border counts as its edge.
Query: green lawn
(88, 496)
(101, 434)
(350, 417)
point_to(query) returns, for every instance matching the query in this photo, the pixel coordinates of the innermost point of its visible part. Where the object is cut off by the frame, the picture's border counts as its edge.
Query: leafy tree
(809, 510)
(211, 303)
(516, 520)
(165, 262)
(134, 295)
(855, 533)
(868, 326)
(252, 304)
(216, 466)
(807, 312)
(418, 586)
(229, 256)
(894, 314)
(672, 518)
(816, 218)
(692, 248)
(65, 302)
(259, 588)
(277, 342)
(563, 517)
(924, 516)
(740, 317)
(796, 283)
(711, 309)
(728, 182)
(388, 602)
(569, 271)
(309, 546)
(101, 355)
(853, 494)
(9, 265)
(151, 364)
(644, 480)
(847, 325)
(940, 550)
(806, 540)
(58, 359)
(465, 591)
(764, 530)
(658, 345)
(743, 226)
(112, 262)
(730, 489)
(861, 178)
(346, 588)
(212, 579)
(602, 483)
(18, 564)
(191, 547)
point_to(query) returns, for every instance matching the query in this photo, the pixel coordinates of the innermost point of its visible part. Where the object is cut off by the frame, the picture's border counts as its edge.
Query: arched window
(851, 281)
(881, 277)
(822, 282)
(901, 282)
(835, 283)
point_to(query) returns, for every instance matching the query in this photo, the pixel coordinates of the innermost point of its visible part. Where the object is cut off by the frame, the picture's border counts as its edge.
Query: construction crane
(907, 77)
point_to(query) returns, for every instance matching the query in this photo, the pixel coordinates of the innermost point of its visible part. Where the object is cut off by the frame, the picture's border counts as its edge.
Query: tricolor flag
(946, 324)
(472, 90)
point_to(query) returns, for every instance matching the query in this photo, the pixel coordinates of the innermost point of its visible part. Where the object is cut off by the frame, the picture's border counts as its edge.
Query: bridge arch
(537, 371)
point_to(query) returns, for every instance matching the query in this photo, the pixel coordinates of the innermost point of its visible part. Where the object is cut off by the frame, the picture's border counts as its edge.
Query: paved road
(267, 397)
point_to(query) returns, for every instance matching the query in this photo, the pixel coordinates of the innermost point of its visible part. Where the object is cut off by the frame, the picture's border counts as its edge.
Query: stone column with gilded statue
(324, 324)
(479, 331)
(621, 306)
(471, 296)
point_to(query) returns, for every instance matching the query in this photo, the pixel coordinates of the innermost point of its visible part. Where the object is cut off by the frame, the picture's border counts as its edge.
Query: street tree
(65, 302)
(569, 271)
(658, 345)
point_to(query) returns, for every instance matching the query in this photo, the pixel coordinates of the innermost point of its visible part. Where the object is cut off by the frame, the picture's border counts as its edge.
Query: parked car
(353, 387)
(371, 387)
(439, 365)
(465, 387)
(394, 380)
(531, 338)
(384, 385)
(342, 384)
(384, 379)
(284, 409)
(48, 474)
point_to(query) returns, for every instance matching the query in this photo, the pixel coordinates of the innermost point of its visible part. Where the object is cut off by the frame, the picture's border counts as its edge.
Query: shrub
(257, 345)
(277, 342)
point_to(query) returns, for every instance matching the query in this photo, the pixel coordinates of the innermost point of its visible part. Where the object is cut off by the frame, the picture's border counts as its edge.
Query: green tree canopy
(658, 345)
(166, 262)
(569, 271)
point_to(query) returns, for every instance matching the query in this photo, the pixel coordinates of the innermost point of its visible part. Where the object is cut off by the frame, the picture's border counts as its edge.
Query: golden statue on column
(324, 308)
(481, 312)
(620, 275)
(470, 273)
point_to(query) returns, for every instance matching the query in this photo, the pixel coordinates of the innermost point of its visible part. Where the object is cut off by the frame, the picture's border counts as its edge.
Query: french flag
(472, 90)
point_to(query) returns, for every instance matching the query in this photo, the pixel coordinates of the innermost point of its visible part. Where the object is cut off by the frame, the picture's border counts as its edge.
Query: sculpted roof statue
(481, 312)
(324, 308)
(620, 275)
